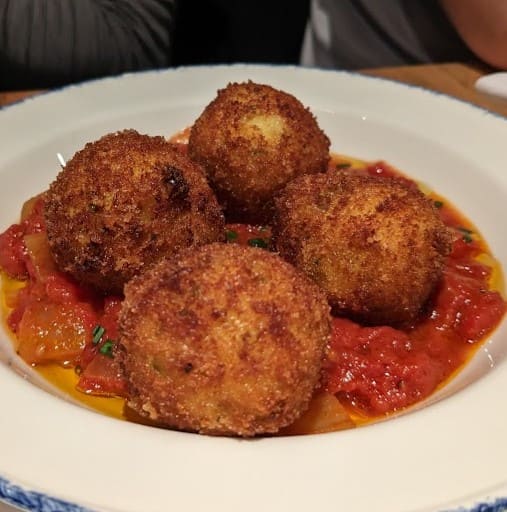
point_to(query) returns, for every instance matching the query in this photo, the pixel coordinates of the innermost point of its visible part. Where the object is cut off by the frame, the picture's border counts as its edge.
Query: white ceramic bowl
(55, 455)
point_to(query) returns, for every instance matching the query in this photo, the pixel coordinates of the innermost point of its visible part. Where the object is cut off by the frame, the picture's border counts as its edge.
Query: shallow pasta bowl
(445, 453)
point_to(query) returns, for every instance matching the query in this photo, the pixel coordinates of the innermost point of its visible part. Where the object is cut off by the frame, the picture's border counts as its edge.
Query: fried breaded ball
(225, 340)
(252, 140)
(376, 245)
(122, 203)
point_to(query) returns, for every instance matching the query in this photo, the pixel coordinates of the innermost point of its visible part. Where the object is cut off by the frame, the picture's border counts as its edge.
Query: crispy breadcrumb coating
(375, 245)
(224, 340)
(122, 203)
(253, 139)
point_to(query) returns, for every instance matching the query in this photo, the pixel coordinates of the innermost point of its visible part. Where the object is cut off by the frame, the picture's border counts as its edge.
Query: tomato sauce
(68, 332)
(379, 370)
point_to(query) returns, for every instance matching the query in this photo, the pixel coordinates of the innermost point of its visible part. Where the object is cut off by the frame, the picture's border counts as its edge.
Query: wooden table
(453, 79)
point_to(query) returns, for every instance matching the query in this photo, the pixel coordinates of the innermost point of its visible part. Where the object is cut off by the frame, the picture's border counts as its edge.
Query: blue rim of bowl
(33, 501)
(39, 502)
(498, 505)
(183, 68)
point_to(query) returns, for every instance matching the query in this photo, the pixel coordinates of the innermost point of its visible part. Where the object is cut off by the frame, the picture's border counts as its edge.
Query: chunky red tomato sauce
(372, 370)
(53, 317)
(377, 370)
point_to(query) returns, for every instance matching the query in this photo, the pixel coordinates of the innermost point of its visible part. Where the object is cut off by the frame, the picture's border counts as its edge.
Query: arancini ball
(252, 139)
(376, 245)
(223, 340)
(122, 203)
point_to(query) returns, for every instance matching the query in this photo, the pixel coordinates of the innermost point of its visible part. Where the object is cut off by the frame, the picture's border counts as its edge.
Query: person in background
(355, 34)
(47, 43)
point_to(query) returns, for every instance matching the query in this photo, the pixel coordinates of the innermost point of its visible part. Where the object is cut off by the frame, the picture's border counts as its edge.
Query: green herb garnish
(258, 242)
(107, 348)
(438, 204)
(231, 235)
(467, 234)
(97, 333)
(343, 165)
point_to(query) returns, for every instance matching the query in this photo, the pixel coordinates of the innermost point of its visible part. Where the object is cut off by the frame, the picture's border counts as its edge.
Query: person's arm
(51, 41)
(482, 24)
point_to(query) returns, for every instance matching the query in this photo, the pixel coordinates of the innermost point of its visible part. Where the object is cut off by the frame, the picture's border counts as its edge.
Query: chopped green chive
(231, 235)
(343, 165)
(258, 242)
(97, 333)
(107, 348)
(438, 204)
(466, 234)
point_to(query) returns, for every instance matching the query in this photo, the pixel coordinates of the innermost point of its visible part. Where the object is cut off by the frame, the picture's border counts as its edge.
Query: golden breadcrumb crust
(375, 245)
(123, 202)
(225, 339)
(252, 139)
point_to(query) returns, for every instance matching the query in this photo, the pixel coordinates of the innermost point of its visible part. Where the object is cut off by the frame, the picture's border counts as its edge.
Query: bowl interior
(456, 151)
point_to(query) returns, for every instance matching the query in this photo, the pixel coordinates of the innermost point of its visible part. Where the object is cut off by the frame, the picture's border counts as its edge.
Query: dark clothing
(353, 34)
(45, 43)
(224, 31)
